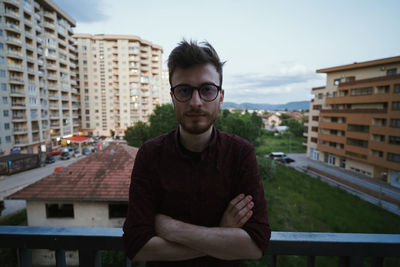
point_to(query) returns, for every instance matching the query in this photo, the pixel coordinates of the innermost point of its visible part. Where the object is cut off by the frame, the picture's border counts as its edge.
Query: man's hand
(238, 212)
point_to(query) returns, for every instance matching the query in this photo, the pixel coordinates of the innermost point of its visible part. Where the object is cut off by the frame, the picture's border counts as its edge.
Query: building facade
(120, 81)
(39, 99)
(354, 120)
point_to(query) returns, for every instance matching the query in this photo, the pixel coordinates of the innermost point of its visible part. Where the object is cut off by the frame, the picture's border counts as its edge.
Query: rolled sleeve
(139, 224)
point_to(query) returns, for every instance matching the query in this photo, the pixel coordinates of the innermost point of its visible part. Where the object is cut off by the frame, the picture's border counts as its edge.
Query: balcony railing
(350, 248)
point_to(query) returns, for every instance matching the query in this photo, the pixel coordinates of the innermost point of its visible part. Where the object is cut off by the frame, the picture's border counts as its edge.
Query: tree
(296, 128)
(162, 120)
(137, 134)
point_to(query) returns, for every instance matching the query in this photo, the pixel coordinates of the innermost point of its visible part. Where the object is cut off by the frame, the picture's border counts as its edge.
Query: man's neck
(195, 142)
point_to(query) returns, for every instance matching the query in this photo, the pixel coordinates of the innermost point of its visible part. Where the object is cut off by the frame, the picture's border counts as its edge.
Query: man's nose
(196, 100)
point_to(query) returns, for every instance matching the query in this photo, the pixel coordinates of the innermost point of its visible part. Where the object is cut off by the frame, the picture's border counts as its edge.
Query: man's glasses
(207, 92)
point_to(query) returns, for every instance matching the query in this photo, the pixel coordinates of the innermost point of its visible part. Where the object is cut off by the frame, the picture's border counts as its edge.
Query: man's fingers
(241, 204)
(235, 201)
(244, 210)
(245, 218)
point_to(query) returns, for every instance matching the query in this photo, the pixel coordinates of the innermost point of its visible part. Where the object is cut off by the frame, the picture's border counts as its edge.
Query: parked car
(86, 151)
(77, 154)
(285, 160)
(276, 155)
(50, 159)
(55, 152)
(65, 155)
(71, 148)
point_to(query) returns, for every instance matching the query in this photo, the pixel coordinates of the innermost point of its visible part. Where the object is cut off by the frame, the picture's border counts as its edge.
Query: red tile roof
(102, 176)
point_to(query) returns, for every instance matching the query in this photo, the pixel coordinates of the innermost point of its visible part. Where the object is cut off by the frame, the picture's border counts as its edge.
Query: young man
(196, 198)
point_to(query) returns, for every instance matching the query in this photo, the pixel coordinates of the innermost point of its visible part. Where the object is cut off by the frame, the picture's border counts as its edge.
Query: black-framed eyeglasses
(207, 92)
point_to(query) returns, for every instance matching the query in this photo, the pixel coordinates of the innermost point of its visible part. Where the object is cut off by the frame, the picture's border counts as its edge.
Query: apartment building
(39, 99)
(120, 82)
(354, 120)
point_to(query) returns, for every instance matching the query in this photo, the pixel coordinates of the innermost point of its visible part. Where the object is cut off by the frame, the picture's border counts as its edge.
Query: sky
(272, 49)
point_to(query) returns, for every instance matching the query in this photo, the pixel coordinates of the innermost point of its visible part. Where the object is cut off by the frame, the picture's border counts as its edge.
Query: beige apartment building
(120, 82)
(39, 99)
(354, 120)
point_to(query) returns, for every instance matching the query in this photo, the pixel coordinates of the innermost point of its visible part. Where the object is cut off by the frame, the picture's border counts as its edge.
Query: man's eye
(183, 90)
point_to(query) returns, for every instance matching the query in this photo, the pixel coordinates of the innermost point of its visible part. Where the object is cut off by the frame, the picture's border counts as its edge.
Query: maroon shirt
(195, 188)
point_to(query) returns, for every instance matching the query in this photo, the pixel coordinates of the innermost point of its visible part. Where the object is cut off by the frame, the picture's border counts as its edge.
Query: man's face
(196, 116)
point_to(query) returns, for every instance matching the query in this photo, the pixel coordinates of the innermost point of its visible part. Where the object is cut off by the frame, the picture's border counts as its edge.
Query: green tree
(296, 128)
(162, 120)
(136, 135)
(285, 118)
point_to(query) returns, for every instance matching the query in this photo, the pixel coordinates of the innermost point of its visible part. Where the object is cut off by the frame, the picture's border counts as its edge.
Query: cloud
(85, 11)
(285, 83)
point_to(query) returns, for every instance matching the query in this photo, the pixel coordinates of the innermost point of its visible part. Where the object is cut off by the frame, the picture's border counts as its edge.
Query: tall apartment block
(354, 120)
(120, 82)
(39, 99)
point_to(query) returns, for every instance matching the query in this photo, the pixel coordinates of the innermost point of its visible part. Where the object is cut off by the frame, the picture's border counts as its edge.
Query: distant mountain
(297, 105)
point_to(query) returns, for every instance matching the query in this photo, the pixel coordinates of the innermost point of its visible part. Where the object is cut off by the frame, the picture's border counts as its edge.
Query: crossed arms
(177, 240)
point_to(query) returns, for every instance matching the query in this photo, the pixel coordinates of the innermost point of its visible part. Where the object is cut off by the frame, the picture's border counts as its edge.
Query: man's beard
(206, 120)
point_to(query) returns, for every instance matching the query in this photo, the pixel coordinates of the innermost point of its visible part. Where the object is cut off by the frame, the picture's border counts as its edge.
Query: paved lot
(13, 183)
(372, 190)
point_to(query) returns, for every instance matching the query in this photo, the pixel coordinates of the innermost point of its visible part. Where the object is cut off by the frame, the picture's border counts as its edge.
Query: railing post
(344, 261)
(60, 258)
(25, 257)
(274, 260)
(128, 262)
(377, 262)
(89, 258)
(310, 261)
(357, 261)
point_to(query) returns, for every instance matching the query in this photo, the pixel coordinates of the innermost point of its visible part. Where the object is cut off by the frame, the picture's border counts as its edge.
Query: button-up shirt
(195, 188)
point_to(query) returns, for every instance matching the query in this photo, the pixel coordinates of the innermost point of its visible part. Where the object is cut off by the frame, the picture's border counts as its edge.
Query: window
(8, 139)
(395, 105)
(362, 91)
(394, 140)
(5, 113)
(358, 128)
(1, 60)
(117, 210)
(6, 126)
(397, 88)
(1, 46)
(391, 71)
(395, 123)
(4, 87)
(357, 142)
(2, 73)
(336, 82)
(5, 100)
(59, 211)
(393, 157)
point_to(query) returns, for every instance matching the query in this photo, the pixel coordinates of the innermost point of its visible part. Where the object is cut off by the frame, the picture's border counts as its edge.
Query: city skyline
(272, 49)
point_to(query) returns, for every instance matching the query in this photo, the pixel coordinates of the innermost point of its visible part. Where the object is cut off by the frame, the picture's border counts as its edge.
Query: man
(196, 198)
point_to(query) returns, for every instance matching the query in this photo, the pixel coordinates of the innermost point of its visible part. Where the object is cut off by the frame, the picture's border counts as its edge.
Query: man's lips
(194, 114)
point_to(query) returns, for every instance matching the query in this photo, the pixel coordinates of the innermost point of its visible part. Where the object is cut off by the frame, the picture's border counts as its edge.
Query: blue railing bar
(282, 243)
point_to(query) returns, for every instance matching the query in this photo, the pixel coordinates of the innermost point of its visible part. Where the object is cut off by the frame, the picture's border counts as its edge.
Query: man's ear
(221, 98)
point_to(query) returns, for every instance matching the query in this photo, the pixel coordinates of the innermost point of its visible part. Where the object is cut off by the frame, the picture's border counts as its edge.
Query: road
(12, 183)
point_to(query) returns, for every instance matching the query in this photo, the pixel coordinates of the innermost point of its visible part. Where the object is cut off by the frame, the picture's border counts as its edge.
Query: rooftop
(102, 176)
(365, 64)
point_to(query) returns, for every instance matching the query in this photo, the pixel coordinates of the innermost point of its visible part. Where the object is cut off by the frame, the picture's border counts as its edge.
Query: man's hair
(190, 54)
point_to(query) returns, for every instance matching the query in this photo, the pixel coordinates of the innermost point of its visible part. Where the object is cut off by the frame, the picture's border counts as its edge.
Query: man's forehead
(198, 74)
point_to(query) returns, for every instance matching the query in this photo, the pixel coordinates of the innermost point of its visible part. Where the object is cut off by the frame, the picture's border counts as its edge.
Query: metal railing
(350, 248)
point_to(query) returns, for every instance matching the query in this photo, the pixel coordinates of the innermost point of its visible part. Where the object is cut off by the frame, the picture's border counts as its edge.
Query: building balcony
(14, 54)
(20, 130)
(361, 110)
(358, 135)
(21, 142)
(329, 149)
(358, 99)
(10, 13)
(18, 117)
(332, 125)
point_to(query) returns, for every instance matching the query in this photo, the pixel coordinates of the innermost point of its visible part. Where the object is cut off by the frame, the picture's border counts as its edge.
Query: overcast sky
(272, 48)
